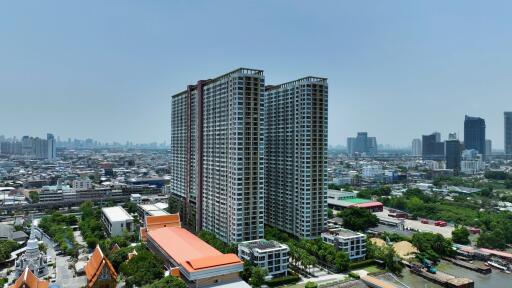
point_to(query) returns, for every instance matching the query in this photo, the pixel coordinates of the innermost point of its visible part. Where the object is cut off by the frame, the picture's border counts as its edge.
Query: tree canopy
(358, 219)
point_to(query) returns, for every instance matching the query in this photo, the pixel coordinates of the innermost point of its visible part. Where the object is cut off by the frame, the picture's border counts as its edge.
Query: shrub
(361, 264)
(290, 279)
(353, 275)
(310, 284)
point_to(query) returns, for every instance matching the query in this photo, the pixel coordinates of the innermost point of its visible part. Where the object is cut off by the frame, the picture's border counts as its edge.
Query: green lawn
(372, 269)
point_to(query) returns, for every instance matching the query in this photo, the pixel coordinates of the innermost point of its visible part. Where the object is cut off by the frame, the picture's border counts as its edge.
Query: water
(496, 279)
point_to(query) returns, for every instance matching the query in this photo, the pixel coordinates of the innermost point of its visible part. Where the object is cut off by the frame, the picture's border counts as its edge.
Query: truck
(427, 264)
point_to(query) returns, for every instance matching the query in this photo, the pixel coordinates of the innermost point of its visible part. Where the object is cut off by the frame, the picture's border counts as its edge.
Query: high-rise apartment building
(215, 154)
(432, 148)
(508, 133)
(416, 147)
(362, 144)
(488, 147)
(52, 147)
(295, 145)
(474, 134)
(453, 153)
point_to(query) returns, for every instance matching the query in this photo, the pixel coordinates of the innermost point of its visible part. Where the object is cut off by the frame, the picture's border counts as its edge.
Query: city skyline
(112, 77)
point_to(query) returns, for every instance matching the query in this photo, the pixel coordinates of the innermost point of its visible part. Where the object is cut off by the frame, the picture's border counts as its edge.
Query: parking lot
(416, 225)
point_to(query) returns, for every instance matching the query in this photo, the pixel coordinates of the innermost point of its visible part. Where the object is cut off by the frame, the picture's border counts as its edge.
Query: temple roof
(28, 280)
(95, 265)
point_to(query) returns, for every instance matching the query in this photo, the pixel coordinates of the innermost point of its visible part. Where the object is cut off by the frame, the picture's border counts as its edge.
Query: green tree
(258, 277)
(168, 282)
(6, 247)
(460, 235)
(358, 219)
(494, 239)
(144, 268)
(34, 196)
(342, 261)
(310, 284)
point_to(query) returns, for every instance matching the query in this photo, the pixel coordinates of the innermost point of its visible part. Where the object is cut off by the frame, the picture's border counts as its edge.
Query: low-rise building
(99, 271)
(116, 220)
(145, 210)
(56, 193)
(350, 242)
(270, 255)
(82, 184)
(198, 263)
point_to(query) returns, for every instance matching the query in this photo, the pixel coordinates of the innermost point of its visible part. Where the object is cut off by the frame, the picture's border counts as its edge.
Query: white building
(157, 209)
(136, 198)
(340, 194)
(57, 193)
(350, 242)
(416, 147)
(270, 255)
(372, 171)
(82, 184)
(116, 220)
(471, 162)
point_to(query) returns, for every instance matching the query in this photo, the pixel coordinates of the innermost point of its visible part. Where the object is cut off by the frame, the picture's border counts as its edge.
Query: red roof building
(196, 260)
(373, 206)
(99, 271)
(27, 279)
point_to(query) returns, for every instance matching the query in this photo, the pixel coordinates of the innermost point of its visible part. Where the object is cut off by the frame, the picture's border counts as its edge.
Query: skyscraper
(362, 144)
(432, 148)
(416, 147)
(474, 134)
(488, 147)
(508, 133)
(453, 153)
(52, 147)
(295, 144)
(215, 155)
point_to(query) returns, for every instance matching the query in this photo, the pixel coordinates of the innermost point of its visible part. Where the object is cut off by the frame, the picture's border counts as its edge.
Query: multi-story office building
(474, 134)
(116, 221)
(432, 147)
(471, 162)
(416, 147)
(215, 155)
(508, 133)
(295, 166)
(452, 153)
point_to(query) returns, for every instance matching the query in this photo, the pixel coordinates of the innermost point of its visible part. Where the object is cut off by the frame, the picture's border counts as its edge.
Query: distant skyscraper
(215, 155)
(474, 134)
(453, 153)
(295, 141)
(416, 147)
(508, 133)
(432, 148)
(351, 145)
(488, 147)
(362, 144)
(52, 147)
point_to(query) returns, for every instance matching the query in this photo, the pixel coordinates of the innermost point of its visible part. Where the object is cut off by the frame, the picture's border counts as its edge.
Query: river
(496, 279)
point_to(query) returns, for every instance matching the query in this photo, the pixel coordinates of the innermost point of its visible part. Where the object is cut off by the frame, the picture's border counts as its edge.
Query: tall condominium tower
(474, 134)
(508, 133)
(215, 155)
(431, 147)
(416, 147)
(453, 153)
(295, 145)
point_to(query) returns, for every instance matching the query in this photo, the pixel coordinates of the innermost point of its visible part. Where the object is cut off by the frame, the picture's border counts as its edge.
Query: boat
(498, 266)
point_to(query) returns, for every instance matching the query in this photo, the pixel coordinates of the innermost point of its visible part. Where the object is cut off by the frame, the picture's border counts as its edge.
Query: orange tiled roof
(160, 221)
(27, 279)
(189, 251)
(95, 265)
(171, 220)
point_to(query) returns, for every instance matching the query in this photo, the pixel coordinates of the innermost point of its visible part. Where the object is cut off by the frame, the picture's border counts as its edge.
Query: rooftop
(116, 214)
(262, 244)
(189, 251)
(345, 233)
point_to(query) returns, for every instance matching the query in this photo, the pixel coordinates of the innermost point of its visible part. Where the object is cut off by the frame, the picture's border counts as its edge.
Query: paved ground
(418, 226)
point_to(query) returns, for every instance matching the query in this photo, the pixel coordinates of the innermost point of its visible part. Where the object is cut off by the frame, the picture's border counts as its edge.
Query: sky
(396, 69)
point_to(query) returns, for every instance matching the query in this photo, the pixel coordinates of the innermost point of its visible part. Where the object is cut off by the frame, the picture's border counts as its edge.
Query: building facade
(508, 133)
(416, 147)
(362, 144)
(295, 156)
(474, 134)
(269, 255)
(453, 154)
(350, 242)
(215, 155)
(116, 221)
(432, 147)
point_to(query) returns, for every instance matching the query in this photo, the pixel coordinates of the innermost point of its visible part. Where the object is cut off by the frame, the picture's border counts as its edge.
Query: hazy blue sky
(397, 69)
